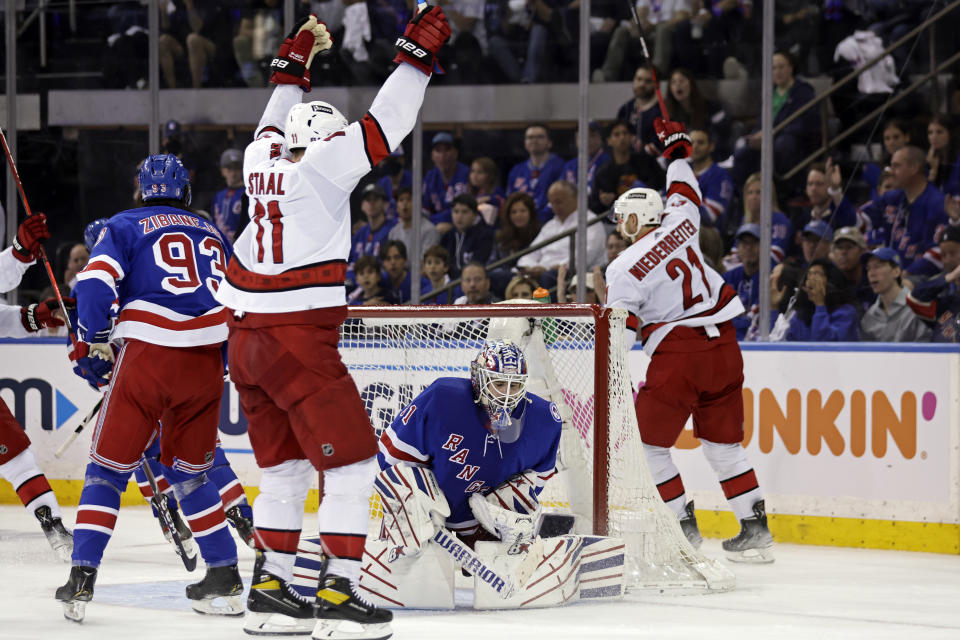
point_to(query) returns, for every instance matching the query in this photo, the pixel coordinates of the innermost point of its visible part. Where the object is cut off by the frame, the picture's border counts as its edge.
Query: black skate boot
(337, 602)
(59, 538)
(242, 522)
(219, 583)
(754, 542)
(274, 608)
(689, 526)
(77, 592)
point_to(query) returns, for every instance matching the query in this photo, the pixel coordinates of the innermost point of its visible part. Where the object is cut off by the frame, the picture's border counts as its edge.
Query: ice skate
(689, 526)
(59, 538)
(344, 615)
(77, 592)
(221, 584)
(754, 542)
(242, 521)
(274, 608)
(186, 536)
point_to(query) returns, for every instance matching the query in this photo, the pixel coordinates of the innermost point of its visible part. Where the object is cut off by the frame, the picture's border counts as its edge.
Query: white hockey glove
(413, 508)
(511, 511)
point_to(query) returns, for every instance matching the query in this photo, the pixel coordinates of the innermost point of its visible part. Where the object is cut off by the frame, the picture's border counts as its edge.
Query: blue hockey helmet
(164, 176)
(92, 233)
(499, 377)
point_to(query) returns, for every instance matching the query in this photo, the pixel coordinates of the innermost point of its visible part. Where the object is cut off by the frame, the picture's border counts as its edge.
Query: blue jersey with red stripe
(535, 181)
(717, 189)
(444, 429)
(571, 170)
(909, 228)
(228, 211)
(162, 265)
(438, 194)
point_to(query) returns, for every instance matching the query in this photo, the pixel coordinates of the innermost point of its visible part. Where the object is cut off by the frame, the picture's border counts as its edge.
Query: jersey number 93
(176, 254)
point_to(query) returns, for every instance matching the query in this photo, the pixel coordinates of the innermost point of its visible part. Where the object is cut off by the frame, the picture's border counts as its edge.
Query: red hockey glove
(30, 236)
(41, 314)
(674, 138)
(422, 39)
(292, 64)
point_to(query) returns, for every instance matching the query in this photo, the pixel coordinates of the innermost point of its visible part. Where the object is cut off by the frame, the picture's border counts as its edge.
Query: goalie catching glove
(292, 64)
(511, 511)
(422, 39)
(413, 508)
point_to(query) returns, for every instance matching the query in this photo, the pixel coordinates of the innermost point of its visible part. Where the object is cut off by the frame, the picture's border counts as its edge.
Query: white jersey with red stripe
(662, 279)
(11, 272)
(293, 254)
(160, 266)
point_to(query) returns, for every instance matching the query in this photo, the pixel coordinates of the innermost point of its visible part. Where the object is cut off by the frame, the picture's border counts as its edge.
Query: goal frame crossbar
(601, 369)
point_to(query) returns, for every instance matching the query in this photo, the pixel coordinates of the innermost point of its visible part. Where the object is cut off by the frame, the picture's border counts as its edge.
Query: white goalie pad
(513, 528)
(413, 508)
(423, 581)
(571, 568)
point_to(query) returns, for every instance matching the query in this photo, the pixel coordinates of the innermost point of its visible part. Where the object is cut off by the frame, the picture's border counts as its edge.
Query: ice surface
(817, 593)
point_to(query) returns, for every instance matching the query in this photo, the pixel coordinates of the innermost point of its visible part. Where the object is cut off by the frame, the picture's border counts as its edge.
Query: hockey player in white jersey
(285, 285)
(681, 310)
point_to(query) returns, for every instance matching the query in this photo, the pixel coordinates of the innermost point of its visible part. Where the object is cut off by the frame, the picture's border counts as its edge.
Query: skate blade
(75, 610)
(752, 556)
(327, 629)
(276, 624)
(219, 606)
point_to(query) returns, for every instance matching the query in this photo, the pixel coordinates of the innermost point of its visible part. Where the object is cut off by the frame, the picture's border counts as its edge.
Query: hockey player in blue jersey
(477, 434)
(160, 264)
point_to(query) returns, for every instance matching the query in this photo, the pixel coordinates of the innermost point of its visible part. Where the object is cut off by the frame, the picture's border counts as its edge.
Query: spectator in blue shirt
(596, 156)
(937, 301)
(371, 236)
(229, 206)
(849, 246)
(715, 183)
(745, 277)
(393, 177)
(816, 239)
(827, 202)
(781, 230)
(445, 181)
(823, 311)
(535, 174)
(393, 256)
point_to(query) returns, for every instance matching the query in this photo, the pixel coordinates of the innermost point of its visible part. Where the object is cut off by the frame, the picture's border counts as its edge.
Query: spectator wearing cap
(745, 277)
(393, 177)
(848, 247)
(715, 183)
(827, 203)
(229, 206)
(445, 181)
(823, 309)
(889, 319)
(910, 216)
(596, 156)
(815, 241)
(937, 301)
(371, 236)
(470, 240)
(540, 170)
(403, 230)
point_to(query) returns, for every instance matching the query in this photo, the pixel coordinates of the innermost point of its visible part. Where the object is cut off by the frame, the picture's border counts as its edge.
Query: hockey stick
(43, 253)
(76, 432)
(467, 558)
(646, 54)
(159, 502)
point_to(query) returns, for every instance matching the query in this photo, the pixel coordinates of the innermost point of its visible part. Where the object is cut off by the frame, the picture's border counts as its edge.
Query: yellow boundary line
(934, 537)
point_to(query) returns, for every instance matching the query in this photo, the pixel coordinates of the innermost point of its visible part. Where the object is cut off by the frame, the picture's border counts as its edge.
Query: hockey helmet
(311, 121)
(499, 377)
(642, 203)
(163, 176)
(91, 234)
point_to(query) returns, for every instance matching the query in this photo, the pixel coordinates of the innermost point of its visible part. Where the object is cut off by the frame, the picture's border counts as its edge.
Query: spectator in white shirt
(541, 265)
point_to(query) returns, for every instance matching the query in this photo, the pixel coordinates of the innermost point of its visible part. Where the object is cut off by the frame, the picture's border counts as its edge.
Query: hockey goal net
(576, 358)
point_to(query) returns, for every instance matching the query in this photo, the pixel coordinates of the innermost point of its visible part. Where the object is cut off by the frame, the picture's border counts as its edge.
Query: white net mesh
(394, 359)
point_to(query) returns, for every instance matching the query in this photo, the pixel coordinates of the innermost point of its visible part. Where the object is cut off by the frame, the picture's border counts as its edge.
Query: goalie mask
(643, 204)
(310, 121)
(499, 377)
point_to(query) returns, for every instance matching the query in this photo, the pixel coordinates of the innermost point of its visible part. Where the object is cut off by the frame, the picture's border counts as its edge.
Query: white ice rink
(813, 593)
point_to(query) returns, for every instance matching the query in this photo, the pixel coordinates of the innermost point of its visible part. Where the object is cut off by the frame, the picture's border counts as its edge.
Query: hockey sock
(737, 478)
(200, 505)
(278, 514)
(31, 485)
(344, 514)
(222, 475)
(667, 477)
(97, 513)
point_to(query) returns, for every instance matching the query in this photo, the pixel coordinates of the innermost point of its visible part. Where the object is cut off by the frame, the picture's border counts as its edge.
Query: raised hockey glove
(43, 315)
(674, 139)
(422, 39)
(30, 236)
(292, 64)
(94, 362)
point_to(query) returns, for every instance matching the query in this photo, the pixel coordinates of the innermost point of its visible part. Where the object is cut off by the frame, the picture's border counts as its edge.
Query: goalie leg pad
(425, 581)
(413, 507)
